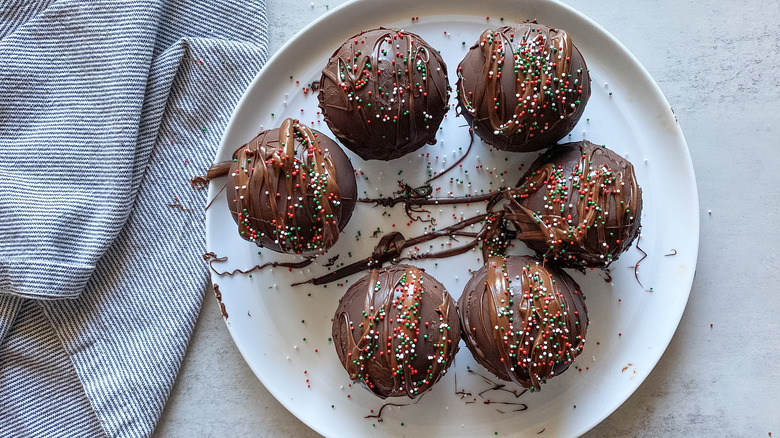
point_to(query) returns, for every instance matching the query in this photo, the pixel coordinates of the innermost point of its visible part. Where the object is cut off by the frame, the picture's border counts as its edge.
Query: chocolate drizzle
(579, 204)
(392, 244)
(211, 257)
(396, 331)
(384, 93)
(523, 87)
(218, 295)
(522, 321)
(290, 189)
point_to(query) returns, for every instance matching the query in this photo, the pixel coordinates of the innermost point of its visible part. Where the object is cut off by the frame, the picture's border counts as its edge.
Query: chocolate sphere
(523, 87)
(384, 93)
(291, 189)
(523, 321)
(578, 205)
(396, 331)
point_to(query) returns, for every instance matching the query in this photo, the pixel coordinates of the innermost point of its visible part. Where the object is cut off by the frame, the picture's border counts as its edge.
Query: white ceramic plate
(283, 332)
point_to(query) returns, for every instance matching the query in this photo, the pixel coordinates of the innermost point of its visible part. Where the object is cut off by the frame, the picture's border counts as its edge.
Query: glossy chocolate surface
(522, 321)
(523, 87)
(579, 205)
(291, 189)
(384, 93)
(396, 331)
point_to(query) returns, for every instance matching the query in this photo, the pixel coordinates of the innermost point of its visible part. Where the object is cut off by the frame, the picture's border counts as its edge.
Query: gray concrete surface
(717, 63)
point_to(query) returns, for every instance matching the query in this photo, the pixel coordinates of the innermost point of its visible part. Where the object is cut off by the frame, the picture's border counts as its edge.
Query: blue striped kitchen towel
(107, 108)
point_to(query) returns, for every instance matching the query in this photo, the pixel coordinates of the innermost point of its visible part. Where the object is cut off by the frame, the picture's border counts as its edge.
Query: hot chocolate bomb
(291, 189)
(523, 321)
(396, 331)
(384, 93)
(523, 87)
(578, 205)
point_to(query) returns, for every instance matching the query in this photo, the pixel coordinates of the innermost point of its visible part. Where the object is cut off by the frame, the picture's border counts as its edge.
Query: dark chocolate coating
(522, 321)
(291, 189)
(523, 87)
(396, 331)
(578, 205)
(384, 93)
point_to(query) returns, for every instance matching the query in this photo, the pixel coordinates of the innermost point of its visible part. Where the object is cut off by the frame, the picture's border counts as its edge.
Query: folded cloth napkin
(107, 109)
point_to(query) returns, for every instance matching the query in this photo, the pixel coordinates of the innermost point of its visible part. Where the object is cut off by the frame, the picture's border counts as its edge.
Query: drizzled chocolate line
(218, 294)
(673, 253)
(462, 393)
(636, 265)
(211, 257)
(391, 202)
(455, 164)
(443, 254)
(579, 205)
(416, 197)
(389, 248)
(215, 171)
(215, 197)
(523, 406)
(331, 261)
(199, 181)
(500, 387)
(379, 414)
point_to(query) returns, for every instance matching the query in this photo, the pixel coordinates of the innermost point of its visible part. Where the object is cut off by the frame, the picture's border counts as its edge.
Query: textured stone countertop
(717, 63)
